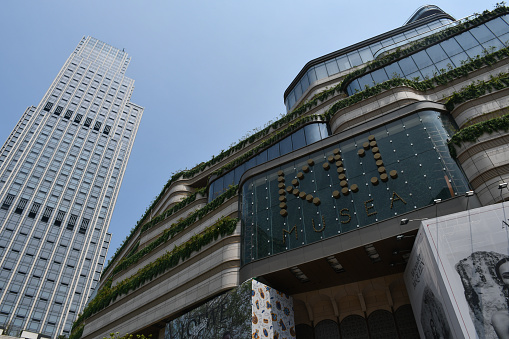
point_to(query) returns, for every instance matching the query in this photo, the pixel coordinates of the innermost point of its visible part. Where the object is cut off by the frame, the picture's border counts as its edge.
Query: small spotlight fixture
(402, 236)
(405, 221)
(372, 253)
(396, 252)
(437, 201)
(392, 264)
(299, 274)
(469, 193)
(502, 185)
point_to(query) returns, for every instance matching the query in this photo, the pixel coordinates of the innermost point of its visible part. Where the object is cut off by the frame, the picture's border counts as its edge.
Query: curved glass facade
(358, 57)
(448, 54)
(298, 139)
(374, 176)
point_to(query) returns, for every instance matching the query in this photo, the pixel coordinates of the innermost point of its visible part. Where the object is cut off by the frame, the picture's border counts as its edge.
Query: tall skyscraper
(60, 173)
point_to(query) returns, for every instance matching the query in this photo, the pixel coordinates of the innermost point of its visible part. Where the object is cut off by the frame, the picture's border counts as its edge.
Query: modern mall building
(60, 173)
(324, 204)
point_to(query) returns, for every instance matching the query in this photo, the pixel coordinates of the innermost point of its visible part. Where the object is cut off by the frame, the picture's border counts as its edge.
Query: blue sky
(207, 72)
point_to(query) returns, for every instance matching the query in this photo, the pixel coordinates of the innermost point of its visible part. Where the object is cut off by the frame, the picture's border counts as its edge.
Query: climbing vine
(108, 294)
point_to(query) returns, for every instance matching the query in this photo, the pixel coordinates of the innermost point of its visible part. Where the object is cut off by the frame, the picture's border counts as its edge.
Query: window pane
(273, 152)
(298, 139)
(365, 54)
(380, 76)
(355, 58)
(498, 26)
(466, 40)
(451, 47)
(482, 33)
(393, 71)
(332, 67)
(408, 66)
(321, 72)
(422, 59)
(285, 145)
(343, 63)
(311, 75)
(312, 133)
(436, 53)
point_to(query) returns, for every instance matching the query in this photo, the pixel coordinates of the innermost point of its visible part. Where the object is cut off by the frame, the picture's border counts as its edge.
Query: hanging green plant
(108, 294)
(472, 133)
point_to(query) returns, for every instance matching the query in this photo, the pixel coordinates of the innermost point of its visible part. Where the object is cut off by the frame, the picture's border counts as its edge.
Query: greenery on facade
(176, 228)
(478, 89)
(108, 293)
(267, 142)
(472, 133)
(479, 19)
(427, 84)
(175, 208)
(77, 332)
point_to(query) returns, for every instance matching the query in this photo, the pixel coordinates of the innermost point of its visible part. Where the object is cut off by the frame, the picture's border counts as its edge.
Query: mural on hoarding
(224, 317)
(252, 310)
(463, 262)
(272, 313)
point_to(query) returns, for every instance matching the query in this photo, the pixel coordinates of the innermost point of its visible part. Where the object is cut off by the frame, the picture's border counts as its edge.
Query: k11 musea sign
(387, 171)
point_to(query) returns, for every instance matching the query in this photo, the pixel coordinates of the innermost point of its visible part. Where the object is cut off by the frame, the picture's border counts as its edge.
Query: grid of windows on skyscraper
(60, 173)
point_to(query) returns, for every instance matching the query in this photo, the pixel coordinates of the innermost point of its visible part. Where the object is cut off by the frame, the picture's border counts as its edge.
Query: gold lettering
(314, 229)
(369, 207)
(345, 215)
(294, 228)
(396, 197)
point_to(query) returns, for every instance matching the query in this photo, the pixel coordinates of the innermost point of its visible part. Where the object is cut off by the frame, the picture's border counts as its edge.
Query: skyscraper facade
(60, 172)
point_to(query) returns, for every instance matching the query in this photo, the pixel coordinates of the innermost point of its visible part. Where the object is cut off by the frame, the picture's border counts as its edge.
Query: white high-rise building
(60, 172)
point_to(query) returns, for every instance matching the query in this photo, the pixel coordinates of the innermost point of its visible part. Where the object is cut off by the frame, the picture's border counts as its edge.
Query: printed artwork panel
(273, 315)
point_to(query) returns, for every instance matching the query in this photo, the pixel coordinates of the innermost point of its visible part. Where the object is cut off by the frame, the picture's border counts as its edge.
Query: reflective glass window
(475, 52)
(304, 81)
(451, 47)
(273, 152)
(429, 72)
(311, 75)
(399, 37)
(459, 59)
(422, 59)
(436, 53)
(285, 145)
(343, 63)
(379, 76)
(298, 139)
(261, 158)
(312, 133)
(366, 54)
(354, 58)
(411, 33)
(408, 66)
(365, 81)
(493, 45)
(498, 26)
(298, 90)
(228, 179)
(238, 173)
(332, 67)
(482, 33)
(466, 40)
(387, 42)
(393, 71)
(321, 71)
